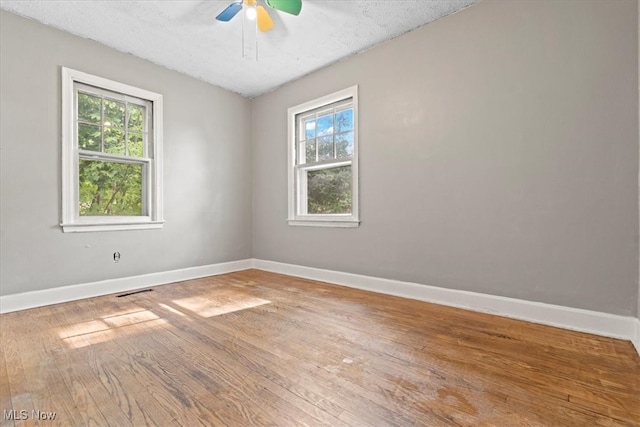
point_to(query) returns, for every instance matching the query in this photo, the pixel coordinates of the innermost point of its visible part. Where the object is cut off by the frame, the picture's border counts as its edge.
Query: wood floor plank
(222, 349)
(378, 371)
(531, 365)
(338, 367)
(129, 373)
(5, 392)
(49, 395)
(310, 375)
(196, 374)
(257, 348)
(286, 360)
(21, 399)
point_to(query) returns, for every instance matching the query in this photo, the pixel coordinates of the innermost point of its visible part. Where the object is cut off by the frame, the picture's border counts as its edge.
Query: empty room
(319, 212)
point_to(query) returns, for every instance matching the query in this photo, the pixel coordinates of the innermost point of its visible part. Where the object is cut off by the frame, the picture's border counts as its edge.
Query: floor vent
(133, 293)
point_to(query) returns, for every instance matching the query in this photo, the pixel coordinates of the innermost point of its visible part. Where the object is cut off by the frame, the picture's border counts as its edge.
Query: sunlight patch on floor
(98, 331)
(171, 309)
(130, 318)
(208, 307)
(82, 328)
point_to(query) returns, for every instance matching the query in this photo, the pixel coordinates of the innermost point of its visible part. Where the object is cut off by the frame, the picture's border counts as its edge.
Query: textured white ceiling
(183, 35)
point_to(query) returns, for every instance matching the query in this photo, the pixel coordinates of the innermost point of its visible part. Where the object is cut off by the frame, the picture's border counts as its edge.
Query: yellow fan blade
(264, 20)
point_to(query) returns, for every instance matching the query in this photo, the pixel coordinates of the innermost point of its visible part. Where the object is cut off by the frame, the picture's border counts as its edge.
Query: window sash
(334, 109)
(336, 106)
(147, 122)
(302, 153)
(114, 158)
(302, 197)
(327, 164)
(88, 154)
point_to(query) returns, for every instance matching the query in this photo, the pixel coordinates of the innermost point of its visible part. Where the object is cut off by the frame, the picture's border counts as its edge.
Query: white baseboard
(576, 319)
(636, 338)
(23, 301)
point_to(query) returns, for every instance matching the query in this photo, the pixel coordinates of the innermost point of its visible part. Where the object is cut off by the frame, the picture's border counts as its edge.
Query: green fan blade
(290, 6)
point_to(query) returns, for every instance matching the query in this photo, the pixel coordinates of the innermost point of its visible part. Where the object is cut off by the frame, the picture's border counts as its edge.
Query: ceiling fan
(259, 12)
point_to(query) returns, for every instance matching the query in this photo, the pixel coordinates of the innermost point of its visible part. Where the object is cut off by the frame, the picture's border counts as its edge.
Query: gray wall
(638, 309)
(207, 167)
(499, 154)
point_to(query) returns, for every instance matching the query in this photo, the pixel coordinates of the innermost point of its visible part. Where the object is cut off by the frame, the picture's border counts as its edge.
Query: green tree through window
(110, 186)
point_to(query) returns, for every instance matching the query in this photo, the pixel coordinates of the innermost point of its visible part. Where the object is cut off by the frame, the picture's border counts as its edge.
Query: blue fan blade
(231, 11)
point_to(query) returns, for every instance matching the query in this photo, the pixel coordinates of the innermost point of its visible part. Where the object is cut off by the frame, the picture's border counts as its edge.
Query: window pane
(309, 129)
(329, 191)
(113, 141)
(344, 120)
(89, 137)
(325, 148)
(136, 118)
(134, 144)
(325, 125)
(344, 145)
(108, 188)
(113, 113)
(89, 108)
(311, 151)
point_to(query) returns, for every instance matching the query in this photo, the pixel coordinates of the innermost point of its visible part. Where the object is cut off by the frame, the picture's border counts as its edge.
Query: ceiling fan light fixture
(256, 13)
(251, 13)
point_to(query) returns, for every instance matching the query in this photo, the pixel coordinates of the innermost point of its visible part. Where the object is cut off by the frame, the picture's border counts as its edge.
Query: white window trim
(348, 220)
(71, 221)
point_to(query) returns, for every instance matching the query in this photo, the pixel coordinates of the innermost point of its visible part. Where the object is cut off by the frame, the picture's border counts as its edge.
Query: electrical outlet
(116, 257)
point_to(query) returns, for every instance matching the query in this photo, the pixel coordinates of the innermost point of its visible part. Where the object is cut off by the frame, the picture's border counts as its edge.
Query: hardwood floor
(256, 348)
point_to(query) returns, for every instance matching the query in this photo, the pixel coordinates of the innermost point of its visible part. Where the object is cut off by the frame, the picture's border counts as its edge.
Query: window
(323, 161)
(111, 155)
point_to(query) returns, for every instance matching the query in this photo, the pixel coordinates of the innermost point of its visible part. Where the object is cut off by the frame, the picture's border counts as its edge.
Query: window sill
(85, 228)
(343, 223)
